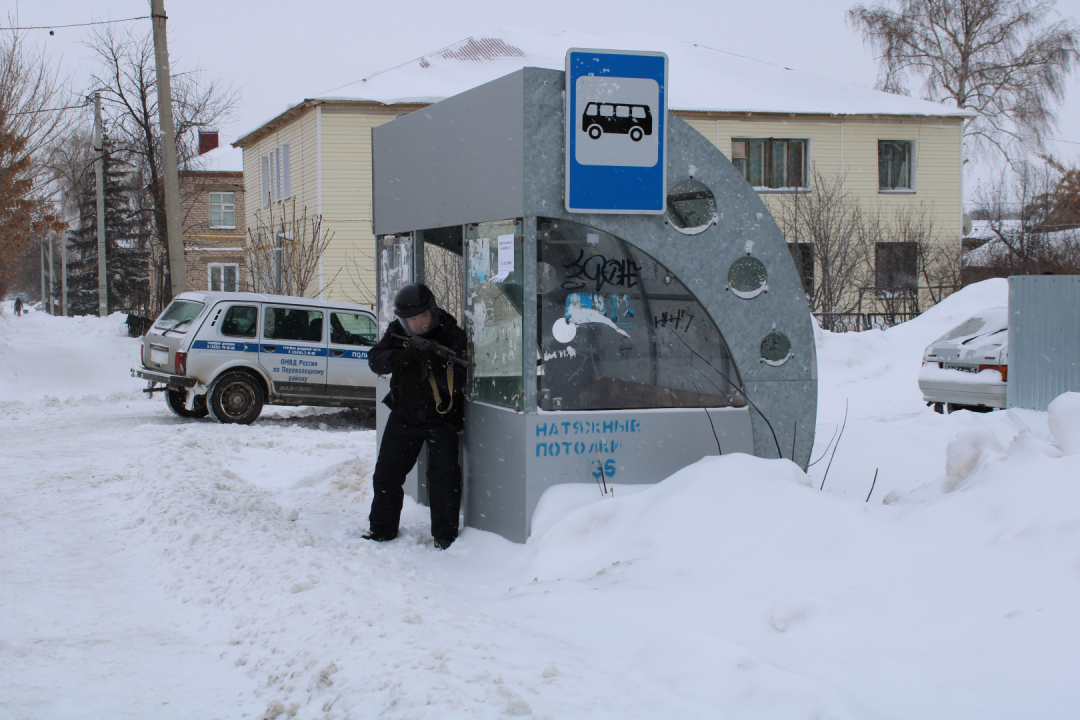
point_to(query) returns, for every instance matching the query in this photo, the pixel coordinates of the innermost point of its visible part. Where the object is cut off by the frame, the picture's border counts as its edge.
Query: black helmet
(413, 299)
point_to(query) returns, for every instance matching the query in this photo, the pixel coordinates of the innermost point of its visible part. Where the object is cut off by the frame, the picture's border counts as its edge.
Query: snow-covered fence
(857, 321)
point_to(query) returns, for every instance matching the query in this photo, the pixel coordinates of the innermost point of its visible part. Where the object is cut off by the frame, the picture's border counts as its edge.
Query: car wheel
(636, 134)
(939, 408)
(595, 132)
(236, 397)
(177, 402)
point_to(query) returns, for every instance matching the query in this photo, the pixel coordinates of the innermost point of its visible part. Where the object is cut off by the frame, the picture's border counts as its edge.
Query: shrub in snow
(1064, 423)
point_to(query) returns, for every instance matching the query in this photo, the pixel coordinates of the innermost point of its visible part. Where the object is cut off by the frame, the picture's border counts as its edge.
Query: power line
(99, 22)
(42, 110)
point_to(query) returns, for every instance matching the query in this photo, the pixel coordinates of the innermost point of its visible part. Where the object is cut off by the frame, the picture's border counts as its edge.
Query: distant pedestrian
(18, 306)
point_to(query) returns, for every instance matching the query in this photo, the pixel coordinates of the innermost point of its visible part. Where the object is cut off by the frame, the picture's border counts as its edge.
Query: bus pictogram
(617, 118)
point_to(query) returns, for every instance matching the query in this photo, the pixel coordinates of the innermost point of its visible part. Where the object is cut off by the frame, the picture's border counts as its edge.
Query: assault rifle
(433, 348)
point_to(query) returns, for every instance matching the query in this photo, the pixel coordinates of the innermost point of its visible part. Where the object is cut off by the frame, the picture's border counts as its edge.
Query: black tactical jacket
(411, 398)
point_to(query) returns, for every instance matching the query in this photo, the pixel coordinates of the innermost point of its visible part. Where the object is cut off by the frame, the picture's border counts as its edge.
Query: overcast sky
(277, 53)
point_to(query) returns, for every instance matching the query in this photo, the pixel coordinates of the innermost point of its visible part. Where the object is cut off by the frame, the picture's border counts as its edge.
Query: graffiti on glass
(601, 271)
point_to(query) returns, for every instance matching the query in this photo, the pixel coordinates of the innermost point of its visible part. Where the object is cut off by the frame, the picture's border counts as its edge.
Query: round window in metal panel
(775, 349)
(747, 277)
(691, 207)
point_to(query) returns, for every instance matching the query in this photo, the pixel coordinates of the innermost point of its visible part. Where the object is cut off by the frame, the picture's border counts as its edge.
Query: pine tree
(126, 257)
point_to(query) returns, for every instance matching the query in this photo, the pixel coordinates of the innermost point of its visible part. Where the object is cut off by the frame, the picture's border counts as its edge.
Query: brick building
(212, 201)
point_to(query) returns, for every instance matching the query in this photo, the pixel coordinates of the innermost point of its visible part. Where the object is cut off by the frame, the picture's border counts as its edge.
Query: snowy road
(155, 567)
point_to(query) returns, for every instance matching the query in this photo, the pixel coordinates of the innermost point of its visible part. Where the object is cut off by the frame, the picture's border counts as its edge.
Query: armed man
(424, 352)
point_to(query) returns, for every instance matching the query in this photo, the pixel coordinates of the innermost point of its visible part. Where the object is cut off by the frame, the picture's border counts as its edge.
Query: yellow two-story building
(809, 145)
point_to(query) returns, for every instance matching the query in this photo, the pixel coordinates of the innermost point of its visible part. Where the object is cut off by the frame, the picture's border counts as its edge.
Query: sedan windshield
(988, 321)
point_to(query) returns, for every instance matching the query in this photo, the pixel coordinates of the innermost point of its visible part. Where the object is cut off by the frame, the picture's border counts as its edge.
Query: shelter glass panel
(619, 330)
(395, 272)
(493, 311)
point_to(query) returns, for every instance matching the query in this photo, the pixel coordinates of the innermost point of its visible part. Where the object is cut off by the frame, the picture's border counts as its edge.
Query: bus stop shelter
(613, 348)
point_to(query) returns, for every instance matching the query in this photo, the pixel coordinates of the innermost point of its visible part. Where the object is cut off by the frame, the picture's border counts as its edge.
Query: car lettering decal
(224, 345)
(353, 355)
(271, 347)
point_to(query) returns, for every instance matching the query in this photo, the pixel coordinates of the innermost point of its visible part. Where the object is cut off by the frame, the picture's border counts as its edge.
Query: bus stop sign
(616, 123)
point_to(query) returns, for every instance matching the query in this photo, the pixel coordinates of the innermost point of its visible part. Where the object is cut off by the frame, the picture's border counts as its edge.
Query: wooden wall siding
(836, 145)
(300, 134)
(347, 202)
(850, 144)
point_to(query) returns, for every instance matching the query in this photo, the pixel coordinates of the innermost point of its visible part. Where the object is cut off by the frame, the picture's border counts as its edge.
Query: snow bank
(80, 360)
(1064, 422)
(172, 569)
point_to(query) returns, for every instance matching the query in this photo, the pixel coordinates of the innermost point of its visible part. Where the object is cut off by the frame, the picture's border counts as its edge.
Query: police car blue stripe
(225, 345)
(307, 351)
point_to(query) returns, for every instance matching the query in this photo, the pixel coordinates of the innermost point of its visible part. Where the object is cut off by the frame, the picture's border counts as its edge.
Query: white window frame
(231, 205)
(277, 174)
(265, 161)
(210, 267)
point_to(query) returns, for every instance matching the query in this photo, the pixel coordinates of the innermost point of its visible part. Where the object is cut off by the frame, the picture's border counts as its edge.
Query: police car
(227, 354)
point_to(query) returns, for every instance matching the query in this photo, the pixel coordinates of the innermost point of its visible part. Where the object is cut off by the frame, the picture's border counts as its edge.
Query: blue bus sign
(616, 125)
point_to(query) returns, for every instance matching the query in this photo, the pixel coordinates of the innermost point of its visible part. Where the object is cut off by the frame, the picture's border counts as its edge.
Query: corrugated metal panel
(1044, 339)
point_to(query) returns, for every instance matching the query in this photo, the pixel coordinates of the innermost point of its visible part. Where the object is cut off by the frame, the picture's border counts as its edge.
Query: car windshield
(988, 321)
(179, 314)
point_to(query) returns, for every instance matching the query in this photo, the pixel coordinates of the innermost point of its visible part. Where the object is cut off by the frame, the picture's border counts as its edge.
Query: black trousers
(400, 447)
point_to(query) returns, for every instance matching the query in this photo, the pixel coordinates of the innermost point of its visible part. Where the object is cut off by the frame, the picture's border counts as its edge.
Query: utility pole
(63, 274)
(174, 226)
(99, 170)
(44, 295)
(52, 278)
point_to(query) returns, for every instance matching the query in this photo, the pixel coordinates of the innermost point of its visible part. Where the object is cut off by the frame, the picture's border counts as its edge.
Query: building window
(222, 276)
(772, 163)
(896, 267)
(894, 165)
(222, 210)
(276, 174)
(803, 255)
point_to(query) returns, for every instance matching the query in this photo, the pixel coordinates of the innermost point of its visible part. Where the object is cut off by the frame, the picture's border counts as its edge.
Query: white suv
(228, 354)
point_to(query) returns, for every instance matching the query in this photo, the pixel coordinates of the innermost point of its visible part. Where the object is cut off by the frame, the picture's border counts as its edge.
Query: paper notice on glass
(506, 258)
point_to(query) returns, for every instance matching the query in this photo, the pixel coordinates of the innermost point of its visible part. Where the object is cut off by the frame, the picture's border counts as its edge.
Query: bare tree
(832, 221)
(360, 288)
(127, 77)
(32, 116)
(1013, 213)
(35, 100)
(284, 253)
(443, 275)
(1003, 59)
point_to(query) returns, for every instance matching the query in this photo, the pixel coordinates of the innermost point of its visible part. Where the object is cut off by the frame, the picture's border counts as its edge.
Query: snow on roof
(701, 78)
(995, 249)
(222, 158)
